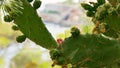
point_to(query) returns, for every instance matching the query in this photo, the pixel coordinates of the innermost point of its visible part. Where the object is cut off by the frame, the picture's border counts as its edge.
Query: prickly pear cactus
(97, 50)
(87, 51)
(24, 15)
(106, 16)
(91, 51)
(32, 26)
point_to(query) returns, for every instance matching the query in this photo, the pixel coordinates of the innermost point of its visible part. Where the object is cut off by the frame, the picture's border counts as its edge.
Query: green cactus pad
(87, 6)
(31, 25)
(91, 51)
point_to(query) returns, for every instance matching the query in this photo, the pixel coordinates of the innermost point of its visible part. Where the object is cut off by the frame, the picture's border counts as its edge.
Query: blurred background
(58, 16)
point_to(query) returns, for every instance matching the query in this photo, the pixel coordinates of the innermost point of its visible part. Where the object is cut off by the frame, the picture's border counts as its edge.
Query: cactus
(8, 18)
(29, 23)
(21, 38)
(37, 4)
(95, 50)
(91, 51)
(110, 15)
(98, 50)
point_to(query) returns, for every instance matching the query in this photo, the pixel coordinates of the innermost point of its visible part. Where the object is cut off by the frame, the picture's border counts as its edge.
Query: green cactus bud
(87, 6)
(8, 18)
(90, 13)
(37, 4)
(75, 31)
(60, 61)
(29, 0)
(101, 1)
(14, 27)
(54, 53)
(21, 38)
(95, 6)
(107, 5)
